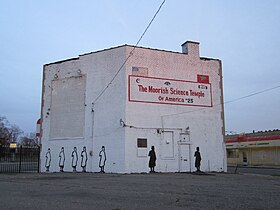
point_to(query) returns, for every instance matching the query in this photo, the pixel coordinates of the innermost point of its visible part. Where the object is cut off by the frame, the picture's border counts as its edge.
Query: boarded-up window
(68, 108)
(232, 154)
(140, 71)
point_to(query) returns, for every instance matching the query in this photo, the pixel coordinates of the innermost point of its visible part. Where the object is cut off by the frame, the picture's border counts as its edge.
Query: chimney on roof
(191, 48)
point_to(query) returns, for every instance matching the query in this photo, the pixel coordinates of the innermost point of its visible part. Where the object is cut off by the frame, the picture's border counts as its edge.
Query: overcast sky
(243, 34)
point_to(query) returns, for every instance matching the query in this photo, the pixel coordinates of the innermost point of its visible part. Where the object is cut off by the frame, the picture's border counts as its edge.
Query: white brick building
(171, 100)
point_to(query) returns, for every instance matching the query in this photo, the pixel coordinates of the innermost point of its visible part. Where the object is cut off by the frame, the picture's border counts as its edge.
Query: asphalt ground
(139, 191)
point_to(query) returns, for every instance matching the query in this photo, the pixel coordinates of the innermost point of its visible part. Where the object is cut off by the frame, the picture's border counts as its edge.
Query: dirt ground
(139, 191)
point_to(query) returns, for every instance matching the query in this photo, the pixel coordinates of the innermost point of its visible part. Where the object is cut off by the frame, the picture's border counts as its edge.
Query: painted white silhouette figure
(48, 160)
(61, 159)
(84, 159)
(102, 159)
(74, 159)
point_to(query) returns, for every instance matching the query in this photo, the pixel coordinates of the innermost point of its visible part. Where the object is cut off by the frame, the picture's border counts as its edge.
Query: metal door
(167, 145)
(184, 158)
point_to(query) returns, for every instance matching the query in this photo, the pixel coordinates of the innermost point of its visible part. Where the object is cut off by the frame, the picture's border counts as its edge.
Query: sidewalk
(258, 166)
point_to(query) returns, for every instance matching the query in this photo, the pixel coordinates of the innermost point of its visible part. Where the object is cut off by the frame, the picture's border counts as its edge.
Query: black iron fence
(19, 159)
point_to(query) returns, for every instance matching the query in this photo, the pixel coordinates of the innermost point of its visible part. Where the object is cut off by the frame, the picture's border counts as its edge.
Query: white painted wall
(102, 119)
(102, 126)
(205, 124)
(109, 109)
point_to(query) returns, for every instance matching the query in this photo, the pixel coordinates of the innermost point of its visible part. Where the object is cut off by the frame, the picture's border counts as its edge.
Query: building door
(167, 145)
(245, 159)
(184, 158)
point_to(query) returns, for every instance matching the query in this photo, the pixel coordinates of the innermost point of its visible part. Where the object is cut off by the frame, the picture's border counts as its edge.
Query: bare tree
(28, 140)
(8, 133)
(4, 131)
(15, 132)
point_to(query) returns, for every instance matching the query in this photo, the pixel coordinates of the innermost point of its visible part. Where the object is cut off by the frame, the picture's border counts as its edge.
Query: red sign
(38, 127)
(203, 79)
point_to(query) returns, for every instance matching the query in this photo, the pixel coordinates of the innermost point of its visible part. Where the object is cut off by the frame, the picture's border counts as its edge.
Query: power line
(227, 102)
(253, 94)
(130, 54)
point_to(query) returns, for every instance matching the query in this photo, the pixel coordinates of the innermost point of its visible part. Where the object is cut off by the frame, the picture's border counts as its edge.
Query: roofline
(193, 42)
(127, 45)
(249, 139)
(148, 48)
(98, 51)
(62, 61)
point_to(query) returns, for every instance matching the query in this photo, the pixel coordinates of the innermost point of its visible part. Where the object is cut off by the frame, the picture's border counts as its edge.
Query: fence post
(20, 148)
(39, 151)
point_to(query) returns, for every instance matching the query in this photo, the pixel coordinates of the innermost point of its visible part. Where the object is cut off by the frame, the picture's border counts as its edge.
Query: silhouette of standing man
(197, 159)
(102, 159)
(153, 158)
(74, 159)
(61, 159)
(84, 159)
(48, 160)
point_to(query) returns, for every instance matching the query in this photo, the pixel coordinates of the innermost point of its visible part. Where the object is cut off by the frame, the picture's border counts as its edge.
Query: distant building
(170, 100)
(254, 149)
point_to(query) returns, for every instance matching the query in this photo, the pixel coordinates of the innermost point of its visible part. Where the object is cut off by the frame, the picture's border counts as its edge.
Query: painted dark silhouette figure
(61, 159)
(74, 159)
(153, 158)
(197, 159)
(102, 159)
(84, 159)
(48, 160)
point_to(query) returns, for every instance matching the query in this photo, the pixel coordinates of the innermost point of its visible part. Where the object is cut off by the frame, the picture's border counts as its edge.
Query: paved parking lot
(139, 191)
